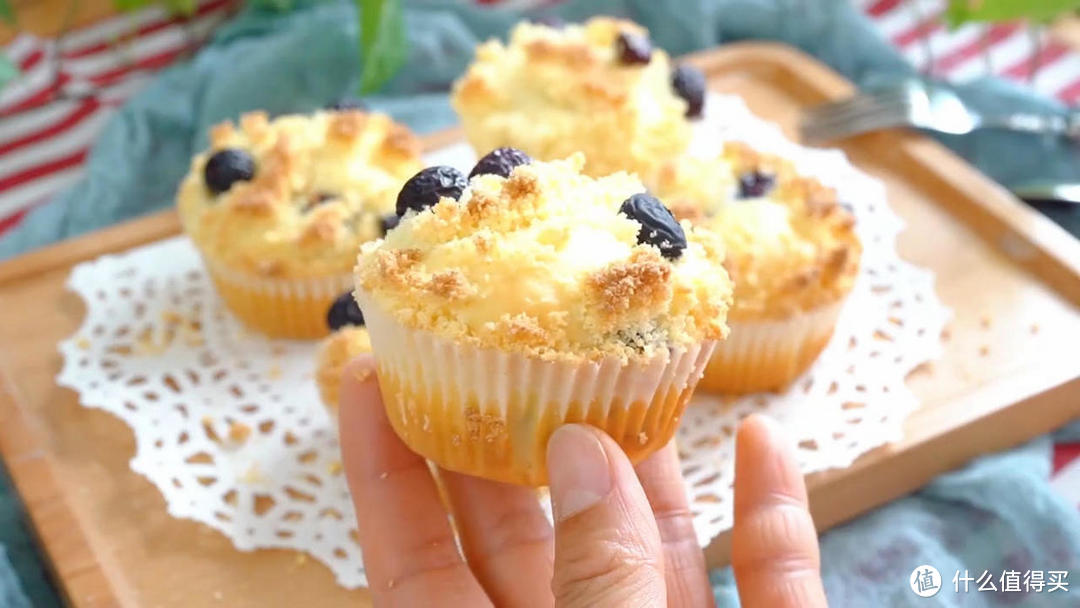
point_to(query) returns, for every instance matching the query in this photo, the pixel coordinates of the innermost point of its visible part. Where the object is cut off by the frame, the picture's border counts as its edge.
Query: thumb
(607, 545)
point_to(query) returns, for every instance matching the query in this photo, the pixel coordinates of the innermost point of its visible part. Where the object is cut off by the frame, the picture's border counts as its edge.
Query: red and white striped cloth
(1009, 50)
(51, 114)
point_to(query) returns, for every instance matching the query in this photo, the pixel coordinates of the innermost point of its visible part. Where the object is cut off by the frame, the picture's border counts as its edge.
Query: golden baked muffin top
(335, 352)
(790, 245)
(295, 196)
(598, 87)
(548, 262)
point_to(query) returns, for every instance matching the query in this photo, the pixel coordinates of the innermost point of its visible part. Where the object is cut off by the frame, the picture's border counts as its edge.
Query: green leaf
(6, 12)
(960, 12)
(383, 45)
(8, 70)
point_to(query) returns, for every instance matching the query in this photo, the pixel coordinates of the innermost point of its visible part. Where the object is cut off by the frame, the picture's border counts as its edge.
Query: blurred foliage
(959, 12)
(383, 44)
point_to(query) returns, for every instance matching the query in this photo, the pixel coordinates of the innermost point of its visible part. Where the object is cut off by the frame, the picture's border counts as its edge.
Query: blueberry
(753, 184)
(344, 311)
(500, 161)
(689, 83)
(388, 222)
(226, 167)
(633, 48)
(347, 103)
(658, 226)
(425, 188)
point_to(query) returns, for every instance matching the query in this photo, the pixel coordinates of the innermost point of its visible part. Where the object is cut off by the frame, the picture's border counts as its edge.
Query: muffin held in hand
(347, 340)
(600, 88)
(503, 307)
(791, 251)
(279, 208)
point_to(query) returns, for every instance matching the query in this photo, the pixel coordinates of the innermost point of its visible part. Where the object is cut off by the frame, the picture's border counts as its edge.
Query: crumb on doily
(1034, 328)
(984, 321)
(274, 372)
(334, 467)
(239, 432)
(984, 350)
(83, 343)
(946, 333)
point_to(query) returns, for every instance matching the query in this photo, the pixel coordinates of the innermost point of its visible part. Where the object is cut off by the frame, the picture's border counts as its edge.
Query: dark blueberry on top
(500, 161)
(633, 48)
(689, 83)
(425, 188)
(388, 222)
(753, 184)
(347, 103)
(658, 226)
(226, 167)
(343, 312)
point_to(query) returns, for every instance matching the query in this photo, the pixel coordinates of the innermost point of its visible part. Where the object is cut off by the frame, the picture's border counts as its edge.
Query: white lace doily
(228, 425)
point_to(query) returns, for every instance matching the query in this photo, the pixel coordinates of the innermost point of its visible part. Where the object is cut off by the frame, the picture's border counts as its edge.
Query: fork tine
(855, 104)
(883, 117)
(897, 107)
(860, 98)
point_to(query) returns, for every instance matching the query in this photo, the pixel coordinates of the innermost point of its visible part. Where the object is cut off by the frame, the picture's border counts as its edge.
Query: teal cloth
(996, 512)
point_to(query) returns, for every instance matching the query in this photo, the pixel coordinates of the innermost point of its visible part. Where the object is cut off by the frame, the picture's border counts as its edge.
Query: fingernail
(578, 470)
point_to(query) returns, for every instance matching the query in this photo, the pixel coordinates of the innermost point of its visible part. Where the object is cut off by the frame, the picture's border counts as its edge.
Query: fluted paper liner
(490, 413)
(279, 308)
(768, 355)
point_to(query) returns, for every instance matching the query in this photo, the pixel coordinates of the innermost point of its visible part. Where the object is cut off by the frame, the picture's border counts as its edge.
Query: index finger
(774, 547)
(410, 555)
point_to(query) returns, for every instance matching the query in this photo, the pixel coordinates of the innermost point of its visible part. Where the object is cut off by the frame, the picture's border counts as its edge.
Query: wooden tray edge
(77, 569)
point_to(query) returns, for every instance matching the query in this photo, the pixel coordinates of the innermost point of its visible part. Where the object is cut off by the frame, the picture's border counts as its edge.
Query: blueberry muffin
(279, 208)
(599, 87)
(347, 340)
(531, 296)
(792, 253)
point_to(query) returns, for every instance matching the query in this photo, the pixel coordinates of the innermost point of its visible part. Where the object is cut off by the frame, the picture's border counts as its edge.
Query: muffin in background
(534, 296)
(279, 208)
(792, 254)
(598, 87)
(347, 340)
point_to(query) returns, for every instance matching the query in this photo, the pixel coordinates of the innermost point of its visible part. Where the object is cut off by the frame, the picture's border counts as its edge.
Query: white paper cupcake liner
(279, 308)
(490, 413)
(768, 355)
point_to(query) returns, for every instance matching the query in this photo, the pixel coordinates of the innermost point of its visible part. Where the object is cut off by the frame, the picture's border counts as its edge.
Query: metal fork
(917, 103)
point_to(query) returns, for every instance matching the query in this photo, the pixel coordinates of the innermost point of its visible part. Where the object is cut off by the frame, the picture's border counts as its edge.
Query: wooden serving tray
(1011, 276)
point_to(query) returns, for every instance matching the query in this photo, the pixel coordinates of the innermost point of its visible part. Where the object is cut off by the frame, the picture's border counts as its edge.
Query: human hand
(622, 535)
